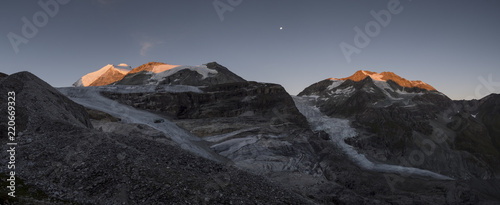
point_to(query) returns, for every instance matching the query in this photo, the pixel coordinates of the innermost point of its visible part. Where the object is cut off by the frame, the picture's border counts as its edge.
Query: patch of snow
(401, 92)
(474, 116)
(377, 77)
(370, 90)
(347, 91)
(384, 86)
(202, 70)
(335, 84)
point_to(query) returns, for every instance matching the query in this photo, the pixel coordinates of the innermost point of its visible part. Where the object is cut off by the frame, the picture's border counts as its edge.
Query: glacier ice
(339, 129)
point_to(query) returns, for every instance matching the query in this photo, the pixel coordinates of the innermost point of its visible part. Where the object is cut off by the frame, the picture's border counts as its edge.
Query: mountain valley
(177, 134)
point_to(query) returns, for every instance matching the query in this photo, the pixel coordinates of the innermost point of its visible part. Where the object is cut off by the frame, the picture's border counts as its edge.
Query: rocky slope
(255, 125)
(63, 159)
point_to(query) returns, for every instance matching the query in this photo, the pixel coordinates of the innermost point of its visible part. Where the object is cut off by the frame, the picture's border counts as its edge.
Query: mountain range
(161, 133)
(155, 73)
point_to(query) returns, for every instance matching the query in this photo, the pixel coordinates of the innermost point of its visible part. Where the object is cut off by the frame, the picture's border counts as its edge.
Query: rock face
(477, 125)
(62, 159)
(410, 123)
(256, 125)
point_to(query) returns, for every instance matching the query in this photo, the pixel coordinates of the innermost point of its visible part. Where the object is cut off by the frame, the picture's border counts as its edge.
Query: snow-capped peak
(384, 77)
(159, 73)
(89, 79)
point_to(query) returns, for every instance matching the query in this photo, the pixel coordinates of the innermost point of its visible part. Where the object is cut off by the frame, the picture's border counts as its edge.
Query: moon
(281, 27)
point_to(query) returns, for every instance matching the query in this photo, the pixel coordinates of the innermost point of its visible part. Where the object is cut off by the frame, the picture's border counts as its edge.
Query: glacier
(339, 130)
(90, 97)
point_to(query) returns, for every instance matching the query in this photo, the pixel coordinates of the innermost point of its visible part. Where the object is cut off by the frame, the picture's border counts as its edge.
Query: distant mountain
(387, 76)
(155, 73)
(369, 89)
(104, 76)
(394, 116)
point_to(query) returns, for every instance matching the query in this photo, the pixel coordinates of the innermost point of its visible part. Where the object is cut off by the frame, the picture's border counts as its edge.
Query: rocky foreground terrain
(198, 136)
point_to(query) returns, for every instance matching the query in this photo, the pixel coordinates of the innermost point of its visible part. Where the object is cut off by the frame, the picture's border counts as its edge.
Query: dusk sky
(451, 45)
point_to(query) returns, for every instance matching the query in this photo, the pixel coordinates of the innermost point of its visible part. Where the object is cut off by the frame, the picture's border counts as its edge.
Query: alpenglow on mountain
(387, 76)
(156, 73)
(396, 118)
(104, 76)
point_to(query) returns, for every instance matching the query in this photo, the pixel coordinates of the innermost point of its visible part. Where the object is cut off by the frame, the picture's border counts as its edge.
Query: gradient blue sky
(450, 44)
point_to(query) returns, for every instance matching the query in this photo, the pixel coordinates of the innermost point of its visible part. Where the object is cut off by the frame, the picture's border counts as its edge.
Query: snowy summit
(155, 73)
(384, 77)
(106, 75)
